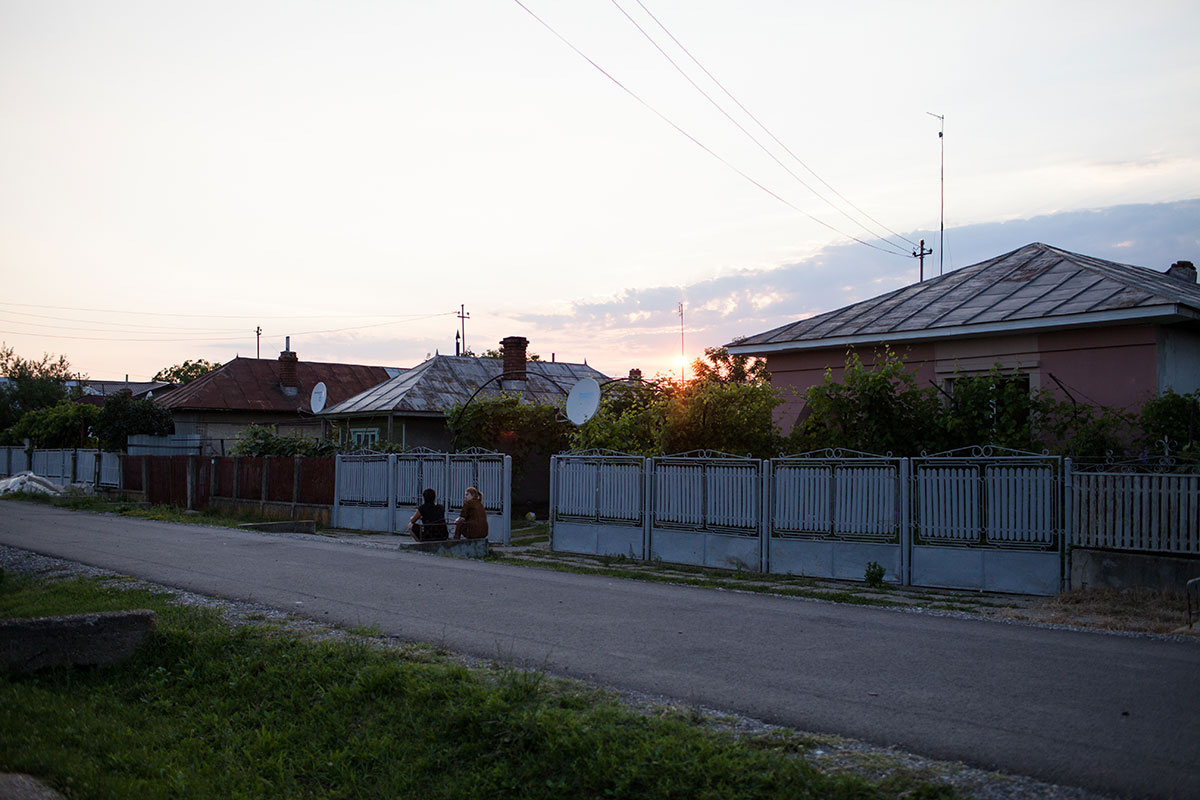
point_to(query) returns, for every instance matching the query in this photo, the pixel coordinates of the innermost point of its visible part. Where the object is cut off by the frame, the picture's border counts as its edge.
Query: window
(364, 437)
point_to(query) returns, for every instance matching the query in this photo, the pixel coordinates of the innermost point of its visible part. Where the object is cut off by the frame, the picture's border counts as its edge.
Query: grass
(119, 505)
(210, 710)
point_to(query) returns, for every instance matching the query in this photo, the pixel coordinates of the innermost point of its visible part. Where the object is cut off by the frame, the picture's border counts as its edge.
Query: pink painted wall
(1116, 366)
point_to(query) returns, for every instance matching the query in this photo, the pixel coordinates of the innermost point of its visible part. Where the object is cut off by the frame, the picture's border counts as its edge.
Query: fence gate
(380, 492)
(597, 502)
(707, 509)
(833, 512)
(988, 518)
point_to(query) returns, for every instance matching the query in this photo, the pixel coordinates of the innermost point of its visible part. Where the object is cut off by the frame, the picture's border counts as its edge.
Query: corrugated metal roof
(252, 384)
(444, 381)
(1034, 283)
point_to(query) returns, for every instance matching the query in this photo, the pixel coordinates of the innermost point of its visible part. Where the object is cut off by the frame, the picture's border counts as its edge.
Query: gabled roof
(444, 381)
(106, 388)
(252, 384)
(1037, 287)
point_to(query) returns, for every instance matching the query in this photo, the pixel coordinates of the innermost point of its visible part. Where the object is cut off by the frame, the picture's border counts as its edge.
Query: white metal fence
(13, 460)
(379, 492)
(1144, 512)
(597, 503)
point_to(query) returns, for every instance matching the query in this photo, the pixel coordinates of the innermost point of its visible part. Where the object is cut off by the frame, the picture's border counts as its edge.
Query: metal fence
(13, 460)
(1142, 511)
(379, 492)
(597, 503)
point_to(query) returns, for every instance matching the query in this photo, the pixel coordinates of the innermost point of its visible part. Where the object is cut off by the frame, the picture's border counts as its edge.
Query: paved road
(1110, 713)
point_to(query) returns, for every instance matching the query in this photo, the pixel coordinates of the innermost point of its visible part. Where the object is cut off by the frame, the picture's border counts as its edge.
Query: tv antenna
(258, 341)
(942, 232)
(682, 352)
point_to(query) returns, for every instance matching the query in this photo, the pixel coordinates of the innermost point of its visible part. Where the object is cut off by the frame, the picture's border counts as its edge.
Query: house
(410, 409)
(96, 392)
(1095, 331)
(277, 394)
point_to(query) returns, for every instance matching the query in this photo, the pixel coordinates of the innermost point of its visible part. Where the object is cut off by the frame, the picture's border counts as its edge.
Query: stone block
(81, 639)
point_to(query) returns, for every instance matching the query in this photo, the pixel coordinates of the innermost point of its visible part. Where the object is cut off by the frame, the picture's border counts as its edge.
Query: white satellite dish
(583, 401)
(319, 395)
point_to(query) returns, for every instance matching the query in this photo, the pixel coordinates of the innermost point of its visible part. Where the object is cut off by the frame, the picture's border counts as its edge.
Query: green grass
(208, 710)
(161, 513)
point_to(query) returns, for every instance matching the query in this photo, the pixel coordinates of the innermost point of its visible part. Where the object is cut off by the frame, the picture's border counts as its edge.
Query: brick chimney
(288, 381)
(514, 348)
(635, 374)
(1183, 271)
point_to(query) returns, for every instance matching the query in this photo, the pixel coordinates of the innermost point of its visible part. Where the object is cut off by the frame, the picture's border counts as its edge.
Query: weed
(874, 575)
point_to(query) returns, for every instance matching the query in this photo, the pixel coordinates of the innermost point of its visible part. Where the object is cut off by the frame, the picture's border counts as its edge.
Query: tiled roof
(443, 381)
(1036, 286)
(252, 384)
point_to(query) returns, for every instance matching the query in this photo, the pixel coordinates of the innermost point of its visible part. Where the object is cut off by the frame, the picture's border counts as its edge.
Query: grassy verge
(210, 710)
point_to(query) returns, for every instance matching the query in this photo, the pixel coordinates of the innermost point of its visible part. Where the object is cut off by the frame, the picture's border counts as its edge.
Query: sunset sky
(174, 175)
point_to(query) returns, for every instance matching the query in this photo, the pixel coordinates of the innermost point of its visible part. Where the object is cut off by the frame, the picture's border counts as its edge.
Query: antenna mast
(463, 316)
(682, 356)
(942, 234)
(258, 341)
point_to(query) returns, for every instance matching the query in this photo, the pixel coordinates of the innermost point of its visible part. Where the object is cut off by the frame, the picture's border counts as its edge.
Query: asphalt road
(1114, 714)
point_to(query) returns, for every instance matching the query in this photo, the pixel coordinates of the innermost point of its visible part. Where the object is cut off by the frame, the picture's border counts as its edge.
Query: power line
(756, 121)
(696, 141)
(211, 316)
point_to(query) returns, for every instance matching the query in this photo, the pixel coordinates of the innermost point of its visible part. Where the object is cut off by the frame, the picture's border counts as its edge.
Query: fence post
(97, 459)
(553, 497)
(191, 483)
(766, 521)
(237, 478)
(212, 477)
(905, 522)
(337, 491)
(391, 492)
(146, 478)
(262, 492)
(1068, 523)
(506, 507)
(647, 509)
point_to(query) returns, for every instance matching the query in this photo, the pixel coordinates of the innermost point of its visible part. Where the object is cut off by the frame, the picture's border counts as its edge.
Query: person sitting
(428, 523)
(472, 520)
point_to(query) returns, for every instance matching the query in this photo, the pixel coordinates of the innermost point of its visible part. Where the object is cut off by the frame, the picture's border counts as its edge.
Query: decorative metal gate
(707, 509)
(597, 503)
(988, 518)
(833, 512)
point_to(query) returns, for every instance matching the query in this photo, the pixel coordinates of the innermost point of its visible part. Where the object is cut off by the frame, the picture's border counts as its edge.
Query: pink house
(1099, 332)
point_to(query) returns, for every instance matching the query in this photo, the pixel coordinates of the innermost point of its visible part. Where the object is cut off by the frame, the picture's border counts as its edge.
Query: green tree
(67, 424)
(504, 423)
(877, 409)
(30, 385)
(718, 364)
(123, 416)
(258, 441)
(185, 372)
(1173, 418)
(1000, 408)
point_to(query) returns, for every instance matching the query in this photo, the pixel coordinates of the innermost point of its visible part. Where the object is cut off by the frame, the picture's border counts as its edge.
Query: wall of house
(226, 426)
(1117, 366)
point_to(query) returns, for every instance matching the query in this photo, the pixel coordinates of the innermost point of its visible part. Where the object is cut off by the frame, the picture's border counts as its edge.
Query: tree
(258, 441)
(122, 416)
(31, 385)
(719, 365)
(185, 372)
(64, 425)
(504, 423)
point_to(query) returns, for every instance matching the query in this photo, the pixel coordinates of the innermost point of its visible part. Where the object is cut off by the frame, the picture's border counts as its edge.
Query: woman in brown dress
(472, 520)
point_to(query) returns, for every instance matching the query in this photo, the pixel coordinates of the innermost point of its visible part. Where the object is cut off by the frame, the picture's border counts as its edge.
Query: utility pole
(920, 253)
(942, 231)
(258, 342)
(463, 316)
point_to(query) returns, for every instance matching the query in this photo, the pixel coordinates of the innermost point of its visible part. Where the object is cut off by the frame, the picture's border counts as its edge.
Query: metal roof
(444, 381)
(252, 384)
(1034, 287)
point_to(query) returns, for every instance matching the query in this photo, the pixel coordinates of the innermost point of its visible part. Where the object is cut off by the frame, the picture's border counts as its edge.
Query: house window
(364, 437)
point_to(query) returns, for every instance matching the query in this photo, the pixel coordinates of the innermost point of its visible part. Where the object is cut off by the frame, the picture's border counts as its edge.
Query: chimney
(635, 375)
(287, 370)
(1183, 271)
(514, 348)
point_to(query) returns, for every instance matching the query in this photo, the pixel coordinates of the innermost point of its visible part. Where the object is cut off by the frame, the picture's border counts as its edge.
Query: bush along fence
(380, 492)
(978, 518)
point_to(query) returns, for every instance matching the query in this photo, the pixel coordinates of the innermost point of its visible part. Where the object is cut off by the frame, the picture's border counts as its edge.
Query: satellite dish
(319, 395)
(583, 401)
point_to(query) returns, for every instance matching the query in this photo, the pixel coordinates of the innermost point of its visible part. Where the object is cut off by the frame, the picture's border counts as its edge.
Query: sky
(352, 175)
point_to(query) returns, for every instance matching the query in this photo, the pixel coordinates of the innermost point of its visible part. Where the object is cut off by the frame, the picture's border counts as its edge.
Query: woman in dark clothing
(428, 523)
(472, 521)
